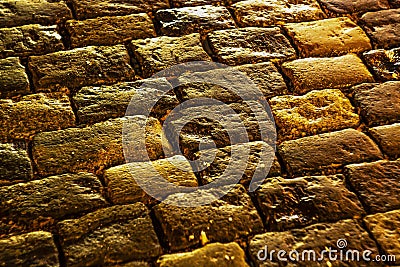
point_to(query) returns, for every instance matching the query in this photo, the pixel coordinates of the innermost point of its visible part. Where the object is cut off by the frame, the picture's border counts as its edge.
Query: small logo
(341, 243)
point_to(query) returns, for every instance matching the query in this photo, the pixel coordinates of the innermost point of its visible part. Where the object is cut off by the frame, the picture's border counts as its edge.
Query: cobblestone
(349, 7)
(388, 138)
(13, 79)
(15, 165)
(182, 3)
(385, 63)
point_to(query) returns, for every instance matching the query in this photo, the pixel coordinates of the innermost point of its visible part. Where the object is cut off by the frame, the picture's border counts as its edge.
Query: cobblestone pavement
(330, 70)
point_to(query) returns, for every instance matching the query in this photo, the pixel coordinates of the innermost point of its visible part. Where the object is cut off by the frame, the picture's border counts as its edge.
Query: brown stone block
(13, 79)
(388, 138)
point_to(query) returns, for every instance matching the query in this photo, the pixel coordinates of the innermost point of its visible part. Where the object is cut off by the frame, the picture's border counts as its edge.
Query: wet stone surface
(15, 165)
(338, 7)
(250, 45)
(13, 79)
(385, 63)
(110, 235)
(388, 138)
(327, 153)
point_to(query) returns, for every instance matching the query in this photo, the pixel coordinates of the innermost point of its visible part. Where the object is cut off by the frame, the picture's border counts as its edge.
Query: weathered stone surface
(21, 12)
(318, 238)
(80, 67)
(93, 148)
(250, 45)
(261, 13)
(36, 204)
(187, 20)
(293, 203)
(385, 63)
(376, 184)
(15, 165)
(32, 249)
(350, 7)
(385, 229)
(224, 220)
(86, 9)
(215, 254)
(388, 138)
(99, 103)
(13, 79)
(328, 37)
(325, 153)
(134, 264)
(314, 113)
(110, 235)
(395, 3)
(29, 40)
(109, 30)
(122, 187)
(182, 3)
(383, 27)
(322, 73)
(34, 113)
(156, 54)
(378, 104)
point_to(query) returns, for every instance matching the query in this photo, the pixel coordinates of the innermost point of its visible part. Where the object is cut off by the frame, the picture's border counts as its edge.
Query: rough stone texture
(111, 235)
(109, 30)
(378, 104)
(29, 40)
(317, 237)
(156, 54)
(80, 67)
(182, 3)
(349, 7)
(325, 153)
(232, 217)
(187, 20)
(388, 138)
(383, 27)
(322, 73)
(13, 79)
(293, 203)
(99, 103)
(250, 45)
(329, 37)
(93, 148)
(35, 113)
(36, 204)
(15, 165)
(216, 254)
(376, 184)
(122, 187)
(32, 249)
(86, 9)
(395, 3)
(261, 13)
(21, 12)
(385, 228)
(385, 63)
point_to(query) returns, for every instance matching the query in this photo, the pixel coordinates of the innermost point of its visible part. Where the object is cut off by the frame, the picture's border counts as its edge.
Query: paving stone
(215, 254)
(385, 229)
(314, 113)
(388, 138)
(376, 184)
(94, 148)
(21, 12)
(182, 3)
(80, 67)
(109, 30)
(261, 13)
(328, 37)
(110, 235)
(15, 165)
(378, 104)
(385, 63)
(318, 238)
(22, 119)
(156, 54)
(122, 187)
(294, 203)
(383, 27)
(86, 9)
(32, 249)
(349, 7)
(187, 20)
(327, 153)
(224, 220)
(13, 79)
(99, 103)
(29, 40)
(322, 73)
(250, 45)
(37, 204)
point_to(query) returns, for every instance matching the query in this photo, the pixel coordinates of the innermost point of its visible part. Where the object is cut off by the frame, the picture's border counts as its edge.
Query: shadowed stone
(348, 7)
(13, 79)
(388, 138)
(395, 3)
(15, 165)
(385, 63)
